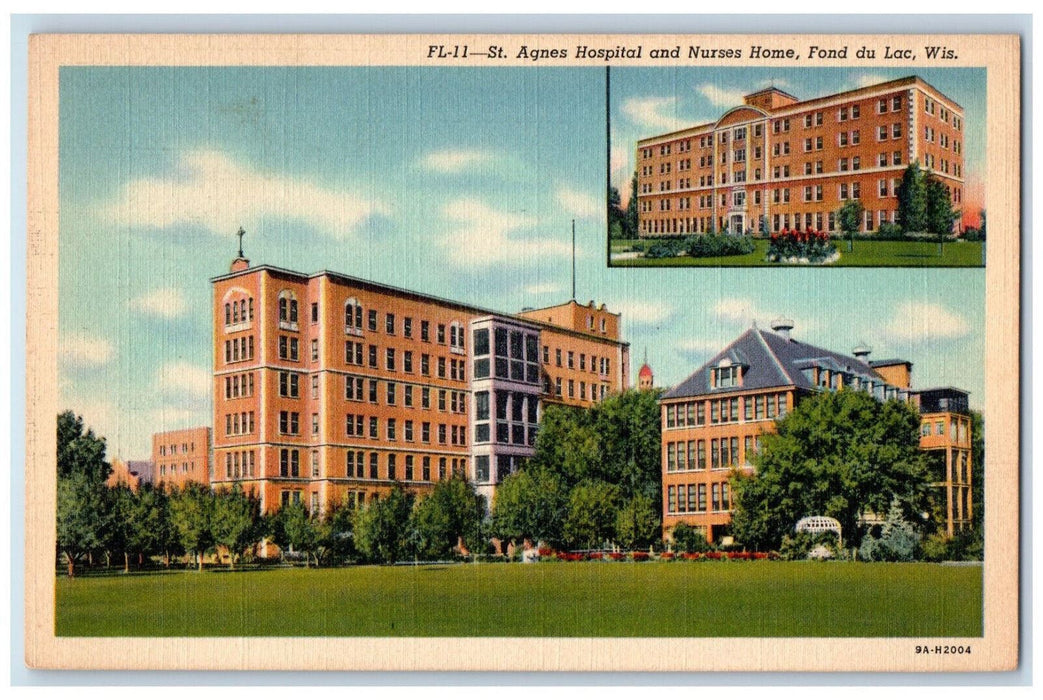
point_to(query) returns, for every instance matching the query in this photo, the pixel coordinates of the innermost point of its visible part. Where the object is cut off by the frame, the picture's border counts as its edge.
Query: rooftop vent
(782, 326)
(862, 351)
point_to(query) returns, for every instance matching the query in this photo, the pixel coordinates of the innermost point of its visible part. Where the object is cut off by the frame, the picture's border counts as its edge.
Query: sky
(460, 183)
(650, 101)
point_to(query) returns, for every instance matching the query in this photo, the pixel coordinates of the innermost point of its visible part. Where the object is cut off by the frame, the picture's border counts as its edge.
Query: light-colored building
(330, 388)
(777, 162)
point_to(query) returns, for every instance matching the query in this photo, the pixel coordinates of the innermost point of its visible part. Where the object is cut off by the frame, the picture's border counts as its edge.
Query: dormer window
(726, 375)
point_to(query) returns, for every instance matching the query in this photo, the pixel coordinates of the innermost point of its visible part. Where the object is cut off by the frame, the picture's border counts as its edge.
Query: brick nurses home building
(332, 387)
(181, 456)
(793, 163)
(712, 421)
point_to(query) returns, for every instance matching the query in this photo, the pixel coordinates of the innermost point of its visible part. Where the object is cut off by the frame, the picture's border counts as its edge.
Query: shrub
(898, 540)
(711, 245)
(665, 249)
(890, 232)
(812, 246)
(688, 539)
(639, 556)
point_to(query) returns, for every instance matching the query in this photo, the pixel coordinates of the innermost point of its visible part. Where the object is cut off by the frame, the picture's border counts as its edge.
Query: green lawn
(864, 254)
(593, 599)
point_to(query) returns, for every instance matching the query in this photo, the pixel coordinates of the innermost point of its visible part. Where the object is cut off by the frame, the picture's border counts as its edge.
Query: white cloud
(721, 97)
(453, 161)
(653, 112)
(919, 321)
(166, 303)
(212, 190)
(581, 205)
(700, 346)
(637, 312)
(484, 235)
(538, 288)
(866, 79)
(184, 379)
(620, 162)
(745, 312)
(81, 350)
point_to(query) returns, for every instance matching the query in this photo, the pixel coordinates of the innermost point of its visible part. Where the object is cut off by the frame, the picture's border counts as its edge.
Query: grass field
(864, 254)
(680, 599)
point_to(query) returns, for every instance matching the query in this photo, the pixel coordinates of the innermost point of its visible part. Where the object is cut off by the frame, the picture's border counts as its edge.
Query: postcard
(523, 352)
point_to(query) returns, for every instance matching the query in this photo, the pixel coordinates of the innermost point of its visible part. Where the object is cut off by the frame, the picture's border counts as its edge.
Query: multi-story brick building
(332, 388)
(181, 456)
(777, 162)
(713, 421)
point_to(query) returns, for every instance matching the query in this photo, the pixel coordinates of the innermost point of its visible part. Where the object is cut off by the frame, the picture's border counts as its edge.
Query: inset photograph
(779, 167)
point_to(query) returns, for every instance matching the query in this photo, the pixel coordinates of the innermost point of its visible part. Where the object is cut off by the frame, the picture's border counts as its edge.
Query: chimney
(782, 326)
(862, 351)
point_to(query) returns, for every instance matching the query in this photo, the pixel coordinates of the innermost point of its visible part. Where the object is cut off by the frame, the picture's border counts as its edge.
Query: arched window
(228, 314)
(353, 314)
(456, 336)
(287, 307)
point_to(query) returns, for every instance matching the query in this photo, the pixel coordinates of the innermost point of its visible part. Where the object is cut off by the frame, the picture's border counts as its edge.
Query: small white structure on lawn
(820, 523)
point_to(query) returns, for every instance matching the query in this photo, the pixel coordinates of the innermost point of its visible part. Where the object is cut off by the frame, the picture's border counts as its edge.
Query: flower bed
(802, 248)
(666, 556)
(639, 556)
(596, 556)
(616, 556)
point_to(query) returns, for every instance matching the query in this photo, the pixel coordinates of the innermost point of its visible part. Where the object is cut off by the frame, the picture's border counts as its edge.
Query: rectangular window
(372, 320)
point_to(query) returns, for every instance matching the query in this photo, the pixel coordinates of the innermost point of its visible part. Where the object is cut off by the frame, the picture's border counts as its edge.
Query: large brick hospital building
(777, 162)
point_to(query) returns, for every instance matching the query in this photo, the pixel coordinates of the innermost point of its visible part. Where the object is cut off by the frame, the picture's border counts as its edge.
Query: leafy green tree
(79, 450)
(121, 532)
(591, 519)
(637, 523)
(839, 454)
(615, 214)
(688, 539)
(191, 512)
(530, 504)
(978, 471)
(850, 217)
(336, 533)
(630, 223)
(383, 527)
(300, 530)
(149, 518)
(616, 441)
(83, 517)
(235, 521)
(939, 210)
(452, 511)
(898, 538)
(912, 200)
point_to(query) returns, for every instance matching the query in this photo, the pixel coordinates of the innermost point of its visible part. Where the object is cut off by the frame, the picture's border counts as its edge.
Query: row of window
(957, 429)
(726, 410)
(171, 449)
(374, 465)
(239, 423)
(934, 108)
(691, 498)
(355, 426)
(505, 465)
(599, 365)
(446, 367)
(691, 455)
(361, 389)
(779, 172)
(240, 464)
(353, 314)
(172, 469)
(239, 311)
(513, 414)
(239, 349)
(239, 385)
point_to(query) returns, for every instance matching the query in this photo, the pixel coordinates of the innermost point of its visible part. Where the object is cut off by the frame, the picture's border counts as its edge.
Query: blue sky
(455, 182)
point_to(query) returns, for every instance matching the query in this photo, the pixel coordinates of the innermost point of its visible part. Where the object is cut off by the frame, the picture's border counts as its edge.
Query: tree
(336, 533)
(591, 518)
(149, 518)
(191, 510)
(898, 539)
(83, 517)
(977, 470)
(615, 214)
(981, 227)
(299, 531)
(530, 504)
(382, 528)
(850, 217)
(79, 450)
(616, 441)
(120, 535)
(839, 454)
(235, 520)
(452, 511)
(939, 213)
(637, 523)
(912, 200)
(630, 224)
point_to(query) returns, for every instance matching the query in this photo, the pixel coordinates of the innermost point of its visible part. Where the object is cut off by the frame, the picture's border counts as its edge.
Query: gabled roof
(770, 360)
